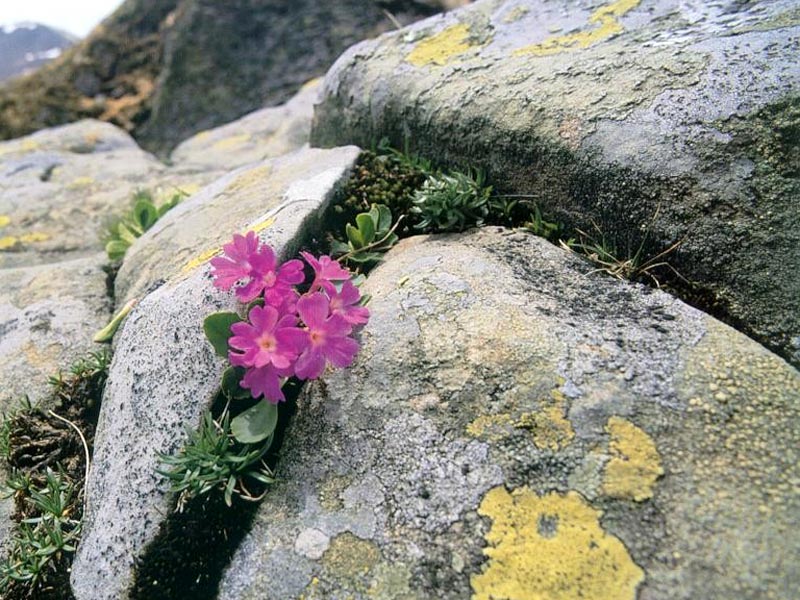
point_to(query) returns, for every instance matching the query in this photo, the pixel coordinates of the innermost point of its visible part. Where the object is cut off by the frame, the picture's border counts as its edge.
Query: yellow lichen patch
(635, 464)
(200, 259)
(30, 146)
(10, 241)
(550, 429)
(29, 238)
(551, 548)
(605, 23)
(232, 141)
(441, 48)
(261, 225)
(491, 427)
(80, 182)
(349, 557)
(4, 220)
(248, 179)
(204, 257)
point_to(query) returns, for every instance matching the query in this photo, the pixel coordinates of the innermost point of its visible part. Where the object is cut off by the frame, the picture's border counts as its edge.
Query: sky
(77, 17)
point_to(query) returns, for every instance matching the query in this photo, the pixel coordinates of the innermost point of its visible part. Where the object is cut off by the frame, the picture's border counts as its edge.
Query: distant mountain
(25, 46)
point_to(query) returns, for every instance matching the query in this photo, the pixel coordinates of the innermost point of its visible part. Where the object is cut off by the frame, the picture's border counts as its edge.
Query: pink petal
(310, 364)
(291, 272)
(249, 292)
(264, 382)
(341, 351)
(313, 309)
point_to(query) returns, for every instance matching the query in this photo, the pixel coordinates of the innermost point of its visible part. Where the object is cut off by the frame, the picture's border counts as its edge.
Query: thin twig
(85, 449)
(397, 24)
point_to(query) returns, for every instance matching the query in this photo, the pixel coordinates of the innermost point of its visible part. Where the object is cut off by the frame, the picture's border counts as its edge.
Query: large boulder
(166, 69)
(642, 123)
(264, 133)
(520, 426)
(59, 187)
(279, 190)
(48, 316)
(164, 373)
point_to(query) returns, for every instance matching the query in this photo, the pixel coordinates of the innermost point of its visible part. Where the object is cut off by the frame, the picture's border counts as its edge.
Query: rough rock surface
(261, 134)
(190, 234)
(60, 186)
(166, 69)
(164, 372)
(674, 121)
(519, 426)
(48, 315)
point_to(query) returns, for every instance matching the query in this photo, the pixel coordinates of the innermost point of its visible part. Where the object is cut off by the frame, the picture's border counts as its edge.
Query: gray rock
(275, 191)
(670, 121)
(506, 398)
(164, 372)
(60, 186)
(48, 315)
(261, 134)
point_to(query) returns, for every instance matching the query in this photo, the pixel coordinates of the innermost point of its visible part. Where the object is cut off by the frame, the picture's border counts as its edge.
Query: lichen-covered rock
(670, 121)
(520, 426)
(261, 134)
(164, 372)
(59, 187)
(48, 315)
(280, 190)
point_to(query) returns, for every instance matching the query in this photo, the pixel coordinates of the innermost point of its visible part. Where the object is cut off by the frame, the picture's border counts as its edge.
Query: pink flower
(327, 339)
(235, 265)
(266, 382)
(269, 339)
(255, 266)
(326, 270)
(345, 304)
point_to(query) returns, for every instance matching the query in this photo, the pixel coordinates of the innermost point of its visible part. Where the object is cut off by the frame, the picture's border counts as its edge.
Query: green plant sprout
(144, 214)
(213, 459)
(372, 235)
(603, 253)
(43, 540)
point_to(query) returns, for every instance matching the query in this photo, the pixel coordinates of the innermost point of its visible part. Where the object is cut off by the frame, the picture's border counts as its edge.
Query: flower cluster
(288, 334)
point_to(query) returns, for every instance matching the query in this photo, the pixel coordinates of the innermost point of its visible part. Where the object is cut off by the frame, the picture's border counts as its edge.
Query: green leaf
(355, 237)
(106, 334)
(127, 233)
(256, 423)
(366, 227)
(383, 223)
(145, 214)
(217, 327)
(230, 384)
(116, 249)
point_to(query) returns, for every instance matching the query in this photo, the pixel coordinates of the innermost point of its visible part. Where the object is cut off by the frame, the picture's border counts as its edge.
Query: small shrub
(212, 459)
(41, 547)
(452, 202)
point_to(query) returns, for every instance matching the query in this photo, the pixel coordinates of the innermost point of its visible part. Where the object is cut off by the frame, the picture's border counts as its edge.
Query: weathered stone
(670, 121)
(60, 186)
(166, 69)
(190, 234)
(262, 134)
(518, 425)
(164, 372)
(48, 315)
